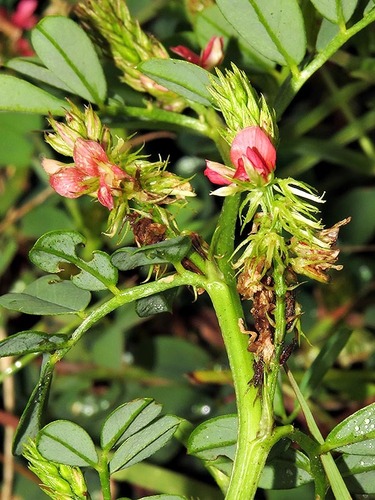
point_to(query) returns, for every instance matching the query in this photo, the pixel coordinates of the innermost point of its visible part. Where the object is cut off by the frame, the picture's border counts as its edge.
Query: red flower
(211, 56)
(92, 172)
(253, 155)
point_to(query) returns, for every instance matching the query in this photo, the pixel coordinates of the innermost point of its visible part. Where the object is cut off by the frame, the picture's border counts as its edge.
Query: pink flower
(253, 155)
(92, 172)
(13, 25)
(252, 150)
(211, 56)
(218, 173)
(23, 16)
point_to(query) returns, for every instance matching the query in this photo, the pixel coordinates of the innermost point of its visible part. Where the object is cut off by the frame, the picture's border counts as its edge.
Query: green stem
(104, 477)
(295, 82)
(333, 474)
(250, 455)
(222, 244)
(157, 118)
(126, 296)
(18, 365)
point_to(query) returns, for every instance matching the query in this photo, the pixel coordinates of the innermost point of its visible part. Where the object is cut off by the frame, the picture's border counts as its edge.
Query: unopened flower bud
(93, 125)
(128, 45)
(240, 104)
(63, 139)
(60, 482)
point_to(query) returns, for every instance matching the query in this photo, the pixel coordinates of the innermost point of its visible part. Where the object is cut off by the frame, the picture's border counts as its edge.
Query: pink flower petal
(186, 53)
(69, 182)
(213, 53)
(241, 173)
(52, 166)
(257, 161)
(254, 144)
(118, 172)
(87, 155)
(218, 173)
(105, 196)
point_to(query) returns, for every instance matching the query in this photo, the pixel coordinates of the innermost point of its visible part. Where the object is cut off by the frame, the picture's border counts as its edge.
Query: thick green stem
(250, 455)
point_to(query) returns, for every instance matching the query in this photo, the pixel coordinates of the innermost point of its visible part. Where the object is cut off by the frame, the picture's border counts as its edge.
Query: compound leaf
(126, 420)
(144, 443)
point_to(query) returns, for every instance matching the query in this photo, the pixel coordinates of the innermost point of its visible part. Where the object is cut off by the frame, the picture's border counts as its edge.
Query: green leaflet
(18, 95)
(274, 28)
(67, 443)
(68, 53)
(48, 296)
(186, 79)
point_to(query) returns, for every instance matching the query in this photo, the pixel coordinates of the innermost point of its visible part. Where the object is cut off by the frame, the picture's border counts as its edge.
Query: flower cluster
(91, 172)
(85, 139)
(285, 232)
(106, 170)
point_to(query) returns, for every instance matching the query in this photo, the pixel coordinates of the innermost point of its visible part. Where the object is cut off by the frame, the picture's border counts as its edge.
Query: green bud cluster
(240, 105)
(120, 36)
(59, 481)
(79, 124)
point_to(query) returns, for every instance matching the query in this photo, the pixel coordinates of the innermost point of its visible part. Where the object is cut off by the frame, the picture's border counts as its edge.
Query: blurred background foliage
(326, 139)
